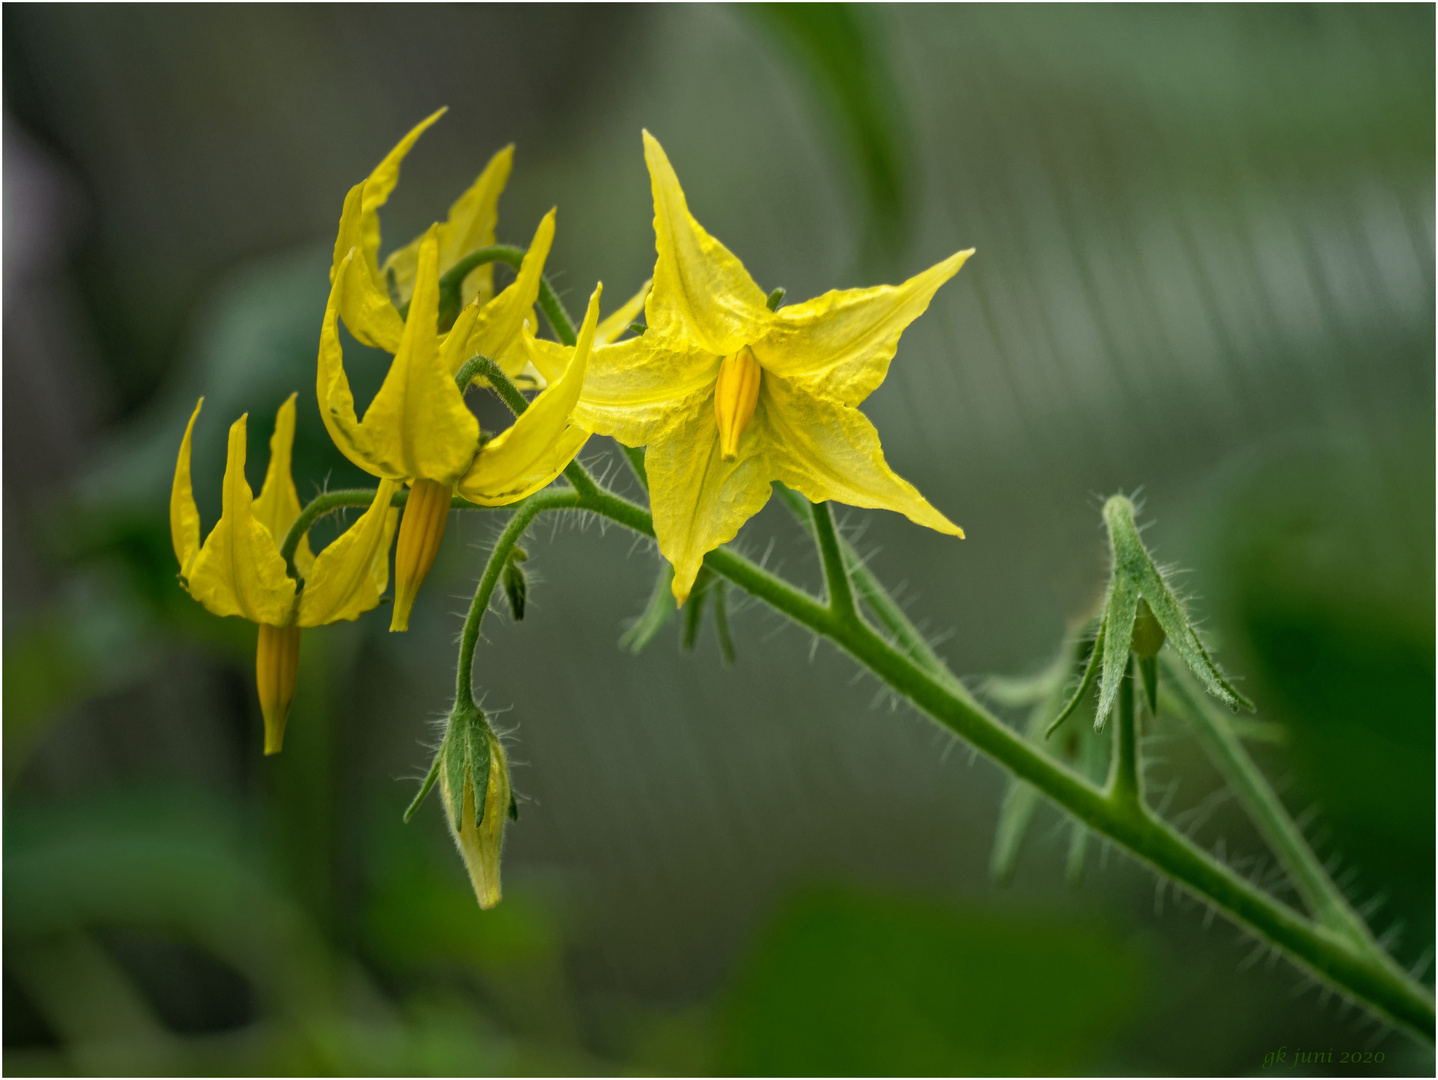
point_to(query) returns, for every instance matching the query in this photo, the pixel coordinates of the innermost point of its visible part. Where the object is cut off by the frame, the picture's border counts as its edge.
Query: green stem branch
(836, 574)
(1214, 733)
(1123, 787)
(1364, 973)
(330, 501)
(1358, 970)
(453, 281)
(525, 513)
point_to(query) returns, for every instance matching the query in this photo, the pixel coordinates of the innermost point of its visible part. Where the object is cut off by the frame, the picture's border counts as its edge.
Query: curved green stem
(1364, 973)
(453, 281)
(1215, 734)
(890, 615)
(525, 513)
(330, 501)
(1359, 969)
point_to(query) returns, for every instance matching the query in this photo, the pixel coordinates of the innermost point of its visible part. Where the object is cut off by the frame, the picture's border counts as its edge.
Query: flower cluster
(727, 390)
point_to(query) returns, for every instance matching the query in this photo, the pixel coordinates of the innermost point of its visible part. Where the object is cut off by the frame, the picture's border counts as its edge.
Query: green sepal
(694, 610)
(1021, 799)
(1016, 814)
(637, 328)
(479, 762)
(424, 789)
(721, 623)
(656, 614)
(776, 298)
(1121, 610)
(1131, 559)
(466, 755)
(453, 752)
(1095, 659)
(513, 808)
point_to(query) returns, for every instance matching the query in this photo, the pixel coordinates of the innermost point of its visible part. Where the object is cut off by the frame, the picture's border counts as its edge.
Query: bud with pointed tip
(473, 778)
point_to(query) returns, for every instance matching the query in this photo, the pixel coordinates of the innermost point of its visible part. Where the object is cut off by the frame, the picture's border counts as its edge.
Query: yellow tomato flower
(239, 570)
(729, 396)
(370, 311)
(418, 428)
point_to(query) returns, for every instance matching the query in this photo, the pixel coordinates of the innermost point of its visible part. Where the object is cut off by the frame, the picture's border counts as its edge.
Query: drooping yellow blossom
(729, 396)
(418, 428)
(370, 311)
(239, 569)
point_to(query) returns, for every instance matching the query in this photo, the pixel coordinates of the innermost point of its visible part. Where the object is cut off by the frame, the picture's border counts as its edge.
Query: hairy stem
(1363, 973)
(1213, 731)
(1356, 969)
(525, 513)
(453, 281)
(330, 501)
(891, 616)
(1123, 787)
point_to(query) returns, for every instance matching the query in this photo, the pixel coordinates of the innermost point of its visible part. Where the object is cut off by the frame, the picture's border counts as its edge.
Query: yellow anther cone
(420, 531)
(277, 668)
(736, 393)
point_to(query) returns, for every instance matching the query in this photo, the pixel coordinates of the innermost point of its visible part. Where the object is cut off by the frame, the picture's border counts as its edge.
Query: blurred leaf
(1326, 555)
(840, 49)
(850, 984)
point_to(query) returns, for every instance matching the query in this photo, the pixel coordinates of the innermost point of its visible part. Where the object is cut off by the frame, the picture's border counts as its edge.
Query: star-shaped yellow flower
(239, 570)
(729, 396)
(418, 428)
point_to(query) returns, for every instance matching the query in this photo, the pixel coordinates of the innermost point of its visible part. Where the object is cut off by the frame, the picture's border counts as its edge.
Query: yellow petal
(184, 514)
(367, 310)
(614, 326)
(379, 185)
(279, 504)
(350, 575)
(541, 441)
(332, 387)
(829, 451)
(239, 570)
(418, 425)
(634, 388)
(699, 499)
(701, 291)
(841, 343)
(496, 331)
(470, 226)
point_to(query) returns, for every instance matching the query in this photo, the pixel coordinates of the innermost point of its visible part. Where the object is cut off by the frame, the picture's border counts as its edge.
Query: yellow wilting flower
(729, 396)
(239, 570)
(370, 311)
(418, 428)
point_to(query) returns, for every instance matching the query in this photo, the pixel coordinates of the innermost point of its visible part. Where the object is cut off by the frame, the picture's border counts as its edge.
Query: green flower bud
(474, 785)
(516, 585)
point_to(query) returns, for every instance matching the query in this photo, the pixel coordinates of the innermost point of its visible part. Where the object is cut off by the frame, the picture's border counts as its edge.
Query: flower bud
(474, 784)
(516, 585)
(277, 668)
(1148, 635)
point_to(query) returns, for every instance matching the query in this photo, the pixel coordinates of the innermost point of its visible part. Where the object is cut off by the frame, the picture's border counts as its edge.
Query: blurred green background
(1205, 270)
